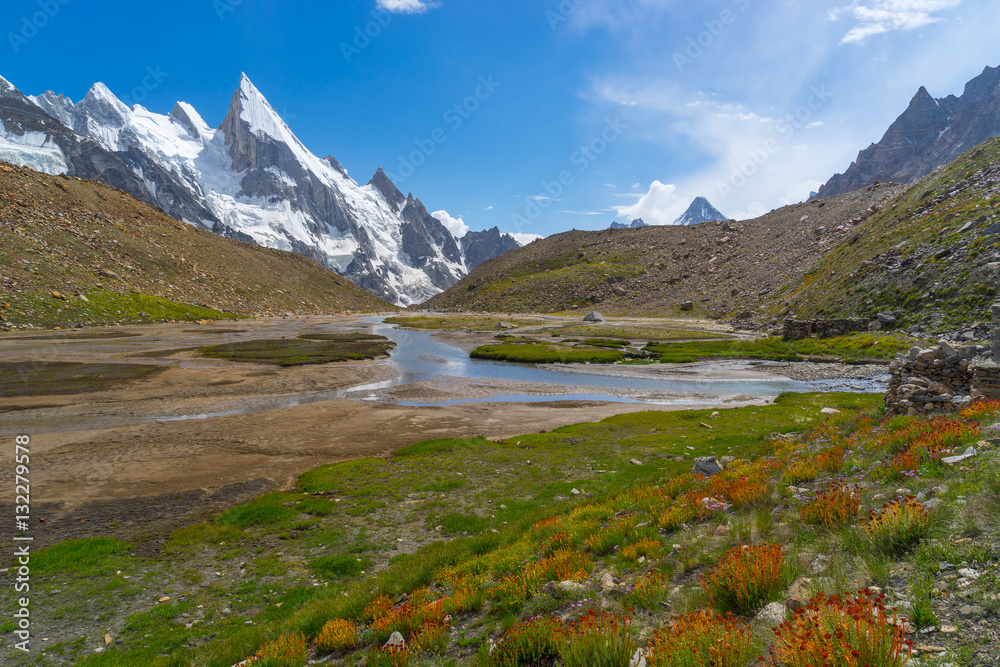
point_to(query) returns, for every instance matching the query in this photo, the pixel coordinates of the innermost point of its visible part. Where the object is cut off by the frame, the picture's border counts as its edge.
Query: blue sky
(537, 116)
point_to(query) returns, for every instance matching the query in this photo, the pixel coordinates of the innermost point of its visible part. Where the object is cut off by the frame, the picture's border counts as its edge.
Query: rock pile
(941, 377)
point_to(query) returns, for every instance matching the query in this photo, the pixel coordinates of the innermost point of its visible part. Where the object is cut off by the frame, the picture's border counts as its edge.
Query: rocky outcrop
(929, 134)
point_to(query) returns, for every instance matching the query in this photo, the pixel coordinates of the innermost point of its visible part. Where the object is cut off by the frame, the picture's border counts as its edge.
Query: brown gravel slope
(74, 236)
(727, 269)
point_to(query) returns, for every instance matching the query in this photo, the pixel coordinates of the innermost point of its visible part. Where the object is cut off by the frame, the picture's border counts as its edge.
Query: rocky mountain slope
(250, 179)
(929, 134)
(930, 257)
(700, 210)
(77, 252)
(725, 268)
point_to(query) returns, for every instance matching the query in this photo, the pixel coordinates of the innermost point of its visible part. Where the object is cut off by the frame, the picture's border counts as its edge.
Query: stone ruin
(944, 377)
(802, 329)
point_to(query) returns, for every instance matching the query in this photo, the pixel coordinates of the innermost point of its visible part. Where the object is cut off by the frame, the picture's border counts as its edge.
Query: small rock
(638, 659)
(687, 305)
(970, 611)
(575, 492)
(932, 503)
(395, 641)
(829, 411)
(635, 462)
(608, 582)
(947, 629)
(56, 294)
(594, 316)
(968, 573)
(772, 615)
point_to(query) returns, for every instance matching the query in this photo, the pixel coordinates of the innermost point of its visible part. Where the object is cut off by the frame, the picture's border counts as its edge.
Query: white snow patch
(34, 150)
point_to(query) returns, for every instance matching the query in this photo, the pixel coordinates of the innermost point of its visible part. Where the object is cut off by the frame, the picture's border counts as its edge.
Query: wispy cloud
(882, 16)
(406, 6)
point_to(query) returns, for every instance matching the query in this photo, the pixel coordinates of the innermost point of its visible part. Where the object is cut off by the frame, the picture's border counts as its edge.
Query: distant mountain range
(635, 224)
(929, 134)
(250, 179)
(700, 210)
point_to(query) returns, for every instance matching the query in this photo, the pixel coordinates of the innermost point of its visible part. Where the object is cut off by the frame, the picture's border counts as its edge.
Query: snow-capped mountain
(700, 210)
(250, 179)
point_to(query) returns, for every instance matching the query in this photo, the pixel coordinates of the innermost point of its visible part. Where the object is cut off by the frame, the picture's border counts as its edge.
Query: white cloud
(525, 239)
(489, 208)
(883, 16)
(542, 198)
(659, 206)
(406, 6)
(456, 226)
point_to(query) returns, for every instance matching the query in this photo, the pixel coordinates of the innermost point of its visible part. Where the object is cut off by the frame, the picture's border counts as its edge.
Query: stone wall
(801, 329)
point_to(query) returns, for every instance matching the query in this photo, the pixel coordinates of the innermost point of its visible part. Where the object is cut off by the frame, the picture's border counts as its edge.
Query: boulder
(594, 317)
(687, 305)
(395, 641)
(886, 318)
(707, 466)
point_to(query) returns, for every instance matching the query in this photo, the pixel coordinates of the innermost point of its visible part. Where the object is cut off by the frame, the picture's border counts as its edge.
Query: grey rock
(955, 460)
(932, 503)
(687, 305)
(772, 615)
(594, 316)
(707, 466)
(970, 611)
(886, 318)
(396, 640)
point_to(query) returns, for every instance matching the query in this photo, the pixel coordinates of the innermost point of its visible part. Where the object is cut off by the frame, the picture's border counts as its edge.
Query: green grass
(635, 333)
(546, 353)
(89, 557)
(340, 566)
(268, 510)
(298, 352)
(463, 485)
(50, 378)
(104, 307)
(855, 348)
(604, 342)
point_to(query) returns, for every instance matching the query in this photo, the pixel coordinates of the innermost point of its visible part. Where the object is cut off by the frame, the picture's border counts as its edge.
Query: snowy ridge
(252, 178)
